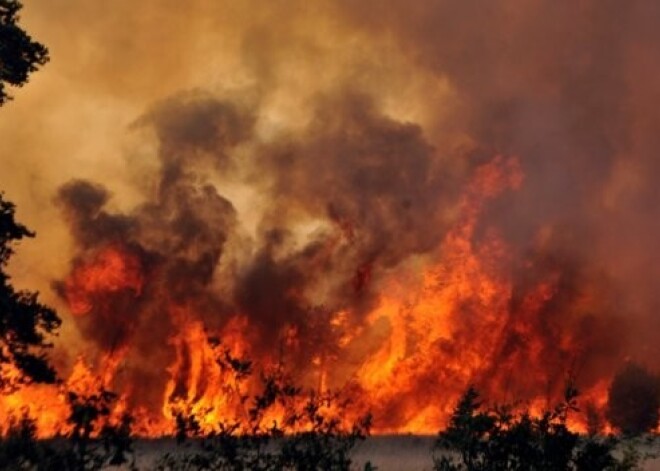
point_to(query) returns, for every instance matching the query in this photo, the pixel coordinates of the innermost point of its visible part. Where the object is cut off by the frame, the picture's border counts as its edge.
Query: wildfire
(428, 337)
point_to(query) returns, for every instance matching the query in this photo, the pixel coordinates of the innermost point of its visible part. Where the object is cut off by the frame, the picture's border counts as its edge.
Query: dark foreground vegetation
(498, 438)
(309, 436)
(95, 443)
(634, 401)
(478, 438)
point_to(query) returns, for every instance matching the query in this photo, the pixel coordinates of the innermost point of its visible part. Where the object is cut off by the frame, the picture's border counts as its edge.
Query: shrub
(308, 438)
(487, 439)
(634, 400)
(18, 446)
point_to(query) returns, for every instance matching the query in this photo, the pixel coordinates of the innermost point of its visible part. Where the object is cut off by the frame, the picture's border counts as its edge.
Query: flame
(109, 271)
(440, 331)
(47, 404)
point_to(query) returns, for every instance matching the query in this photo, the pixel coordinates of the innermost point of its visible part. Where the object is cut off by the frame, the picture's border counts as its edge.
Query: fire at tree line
(310, 434)
(282, 426)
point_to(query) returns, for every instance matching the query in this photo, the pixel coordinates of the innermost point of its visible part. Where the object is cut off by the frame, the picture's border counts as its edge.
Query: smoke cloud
(404, 199)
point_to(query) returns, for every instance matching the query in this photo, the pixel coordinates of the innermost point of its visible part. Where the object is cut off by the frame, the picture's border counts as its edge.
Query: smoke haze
(403, 198)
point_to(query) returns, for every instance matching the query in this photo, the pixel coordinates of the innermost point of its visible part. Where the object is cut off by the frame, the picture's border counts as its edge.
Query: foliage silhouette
(498, 439)
(94, 442)
(19, 54)
(308, 438)
(25, 323)
(633, 404)
(19, 447)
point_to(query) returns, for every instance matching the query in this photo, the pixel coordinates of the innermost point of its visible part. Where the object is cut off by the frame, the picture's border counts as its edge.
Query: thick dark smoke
(177, 237)
(377, 178)
(375, 181)
(370, 188)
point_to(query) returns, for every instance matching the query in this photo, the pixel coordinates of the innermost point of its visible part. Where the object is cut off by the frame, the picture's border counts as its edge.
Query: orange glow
(443, 331)
(109, 271)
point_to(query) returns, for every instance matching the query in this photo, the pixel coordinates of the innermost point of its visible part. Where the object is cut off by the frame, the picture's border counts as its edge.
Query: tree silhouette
(19, 54)
(482, 438)
(633, 404)
(25, 323)
(308, 436)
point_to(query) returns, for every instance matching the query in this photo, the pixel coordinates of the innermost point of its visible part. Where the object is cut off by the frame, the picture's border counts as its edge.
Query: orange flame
(435, 334)
(109, 271)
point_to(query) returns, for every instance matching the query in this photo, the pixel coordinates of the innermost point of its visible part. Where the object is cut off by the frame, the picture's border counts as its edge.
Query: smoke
(293, 284)
(563, 88)
(409, 197)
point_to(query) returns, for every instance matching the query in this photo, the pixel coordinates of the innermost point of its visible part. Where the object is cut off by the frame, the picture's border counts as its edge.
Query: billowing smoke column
(365, 185)
(354, 199)
(161, 258)
(392, 200)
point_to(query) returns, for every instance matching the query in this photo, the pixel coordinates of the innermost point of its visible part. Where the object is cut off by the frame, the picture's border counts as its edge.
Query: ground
(387, 453)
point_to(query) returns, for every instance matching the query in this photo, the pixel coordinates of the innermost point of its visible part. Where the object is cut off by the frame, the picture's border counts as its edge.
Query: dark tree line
(633, 405)
(20, 55)
(25, 323)
(498, 438)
